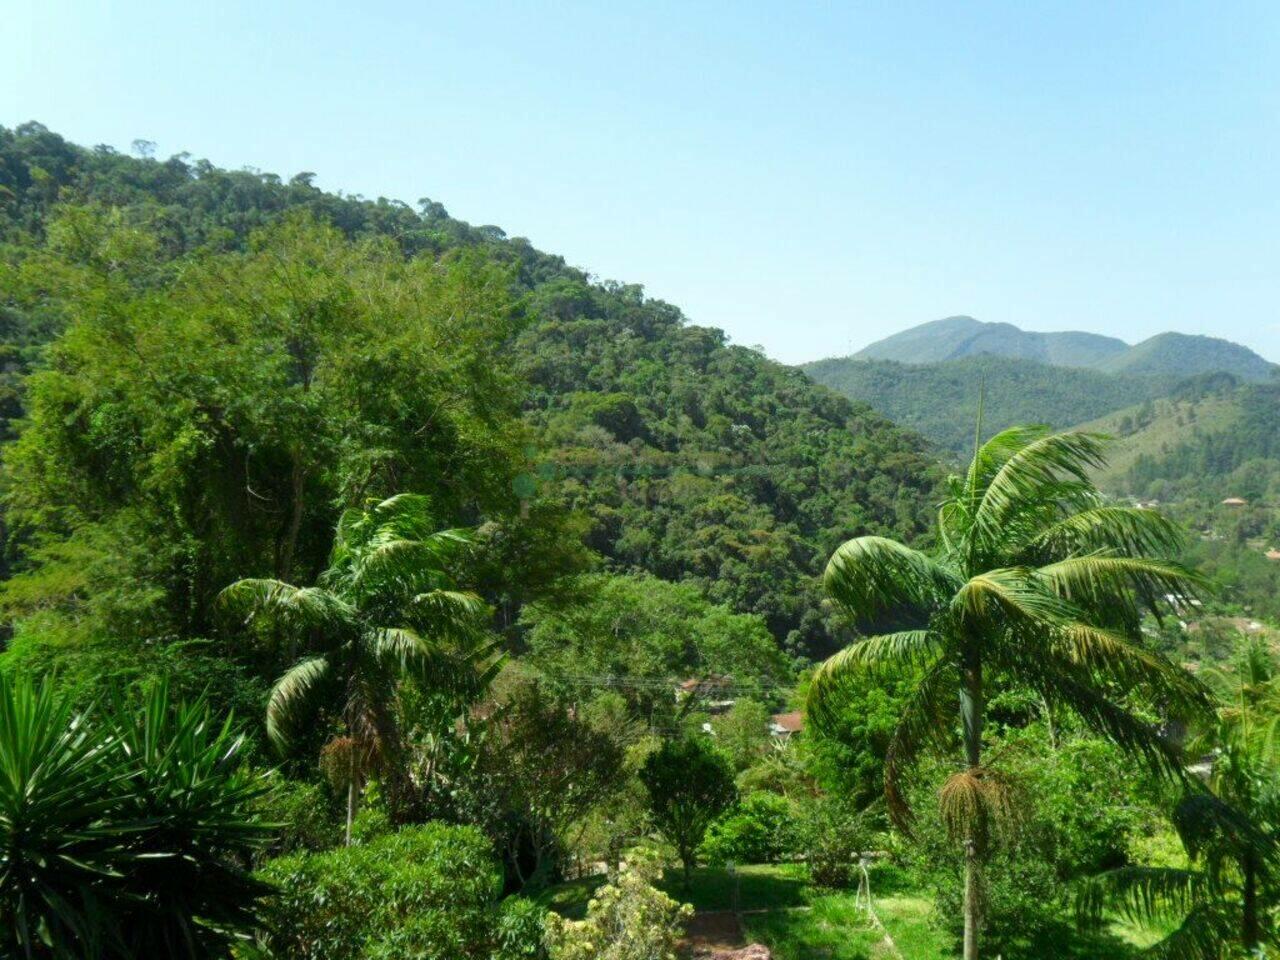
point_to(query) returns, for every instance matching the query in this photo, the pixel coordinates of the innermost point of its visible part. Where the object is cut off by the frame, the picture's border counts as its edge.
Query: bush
(760, 829)
(627, 919)
(121, 835)
(303, 814)
(833, 836)
(428, 893)
(689, 783)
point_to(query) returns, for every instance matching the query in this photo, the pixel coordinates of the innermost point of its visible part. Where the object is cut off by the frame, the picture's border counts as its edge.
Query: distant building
(1234, 502)
(784, 725)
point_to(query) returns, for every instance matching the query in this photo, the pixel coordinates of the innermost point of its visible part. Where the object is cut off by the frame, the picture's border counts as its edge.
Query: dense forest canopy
(378, 586)
(686, 457)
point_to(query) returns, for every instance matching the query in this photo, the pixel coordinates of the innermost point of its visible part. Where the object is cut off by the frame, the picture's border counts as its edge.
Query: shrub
(304, 816)
(627, 919)
(120, 835)
(428, 892)
(689, 783)
(760, 829)
(833, 836)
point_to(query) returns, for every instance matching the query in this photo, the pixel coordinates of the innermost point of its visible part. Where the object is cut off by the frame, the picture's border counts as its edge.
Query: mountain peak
(962, 336)
(1178, 354)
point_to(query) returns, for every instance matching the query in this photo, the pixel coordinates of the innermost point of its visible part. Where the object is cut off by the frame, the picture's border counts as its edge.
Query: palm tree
(385, 611)
(1229, 828)
(1038, 582)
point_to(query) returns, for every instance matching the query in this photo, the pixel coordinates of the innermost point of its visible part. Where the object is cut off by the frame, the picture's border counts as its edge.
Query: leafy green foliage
(687, 458)
(690, 783)
(646, 635)
(940, 400)
(122, 834)
(627, 919)
(759, 829)
(540, 770)
(429, 891)
(384, 613)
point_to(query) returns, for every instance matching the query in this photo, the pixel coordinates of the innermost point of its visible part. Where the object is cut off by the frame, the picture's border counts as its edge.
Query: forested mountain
(954, 337)
(1211, 438)
(940, 400)
(1184, 355)
(1168, 354)
(683, 455)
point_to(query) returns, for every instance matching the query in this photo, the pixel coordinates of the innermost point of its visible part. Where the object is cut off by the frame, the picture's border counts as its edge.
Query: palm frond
(1099, 580)
(1067, 684)
(1128, 531)
(294, 608)
(294, 700)
(1052, 468)
(928, 719)
(1221, 834)
(871, 575)
(1109, 654)
(433, 665)
(1010, 592)
(873, 655)
(992, 455)
(452, 613)
(1142, 894)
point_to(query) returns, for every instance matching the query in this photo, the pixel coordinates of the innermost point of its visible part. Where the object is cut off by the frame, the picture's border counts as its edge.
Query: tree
(123, 834)
(689, 783)
(1229, 828)
(1038, 582)
(383, 613)
(541, 769)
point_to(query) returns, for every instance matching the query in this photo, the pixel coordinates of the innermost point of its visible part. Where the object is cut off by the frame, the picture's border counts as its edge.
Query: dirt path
(710, 932)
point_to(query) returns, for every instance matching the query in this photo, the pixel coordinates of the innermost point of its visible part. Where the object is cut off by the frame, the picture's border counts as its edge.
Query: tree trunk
(351, 806)
(1249, 931)
(971, 716)
(298, 484)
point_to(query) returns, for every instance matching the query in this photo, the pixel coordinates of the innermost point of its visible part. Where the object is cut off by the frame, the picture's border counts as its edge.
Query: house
(784, 725)
(715, 693)
(1234, 502)
(1182, 604)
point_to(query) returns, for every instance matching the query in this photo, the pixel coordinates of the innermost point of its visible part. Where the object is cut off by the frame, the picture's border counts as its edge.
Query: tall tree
(1229, 827)
(1038, 582)
(384, 612)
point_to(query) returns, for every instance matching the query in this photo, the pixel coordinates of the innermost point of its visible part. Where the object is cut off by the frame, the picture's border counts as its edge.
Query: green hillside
(1212, 438)
(1168, 354)
(1150, 431)
(1184, 355)
(956, 337)
(940, 400)
(682, 455)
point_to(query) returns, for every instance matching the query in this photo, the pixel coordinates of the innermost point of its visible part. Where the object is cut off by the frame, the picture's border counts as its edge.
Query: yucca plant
(190, 800)
(1038, 582)
(64, 848)
(122, 835)
(384, 612)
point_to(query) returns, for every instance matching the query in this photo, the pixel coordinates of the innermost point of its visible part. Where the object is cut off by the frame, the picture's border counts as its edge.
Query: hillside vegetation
(1167, 354)
(1212, 438)
(940, 400)
(682, 455)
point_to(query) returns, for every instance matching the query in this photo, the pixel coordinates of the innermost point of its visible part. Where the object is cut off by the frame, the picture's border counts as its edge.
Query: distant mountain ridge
(1166, 354)
(940, 400)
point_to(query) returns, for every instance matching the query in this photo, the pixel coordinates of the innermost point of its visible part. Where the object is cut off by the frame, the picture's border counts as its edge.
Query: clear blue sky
(807, 177)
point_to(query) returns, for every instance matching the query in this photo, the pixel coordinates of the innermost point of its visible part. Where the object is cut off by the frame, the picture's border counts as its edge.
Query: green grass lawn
(800, 922)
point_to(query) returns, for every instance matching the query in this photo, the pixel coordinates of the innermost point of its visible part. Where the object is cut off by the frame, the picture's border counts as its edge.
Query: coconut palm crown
(1038, 582)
